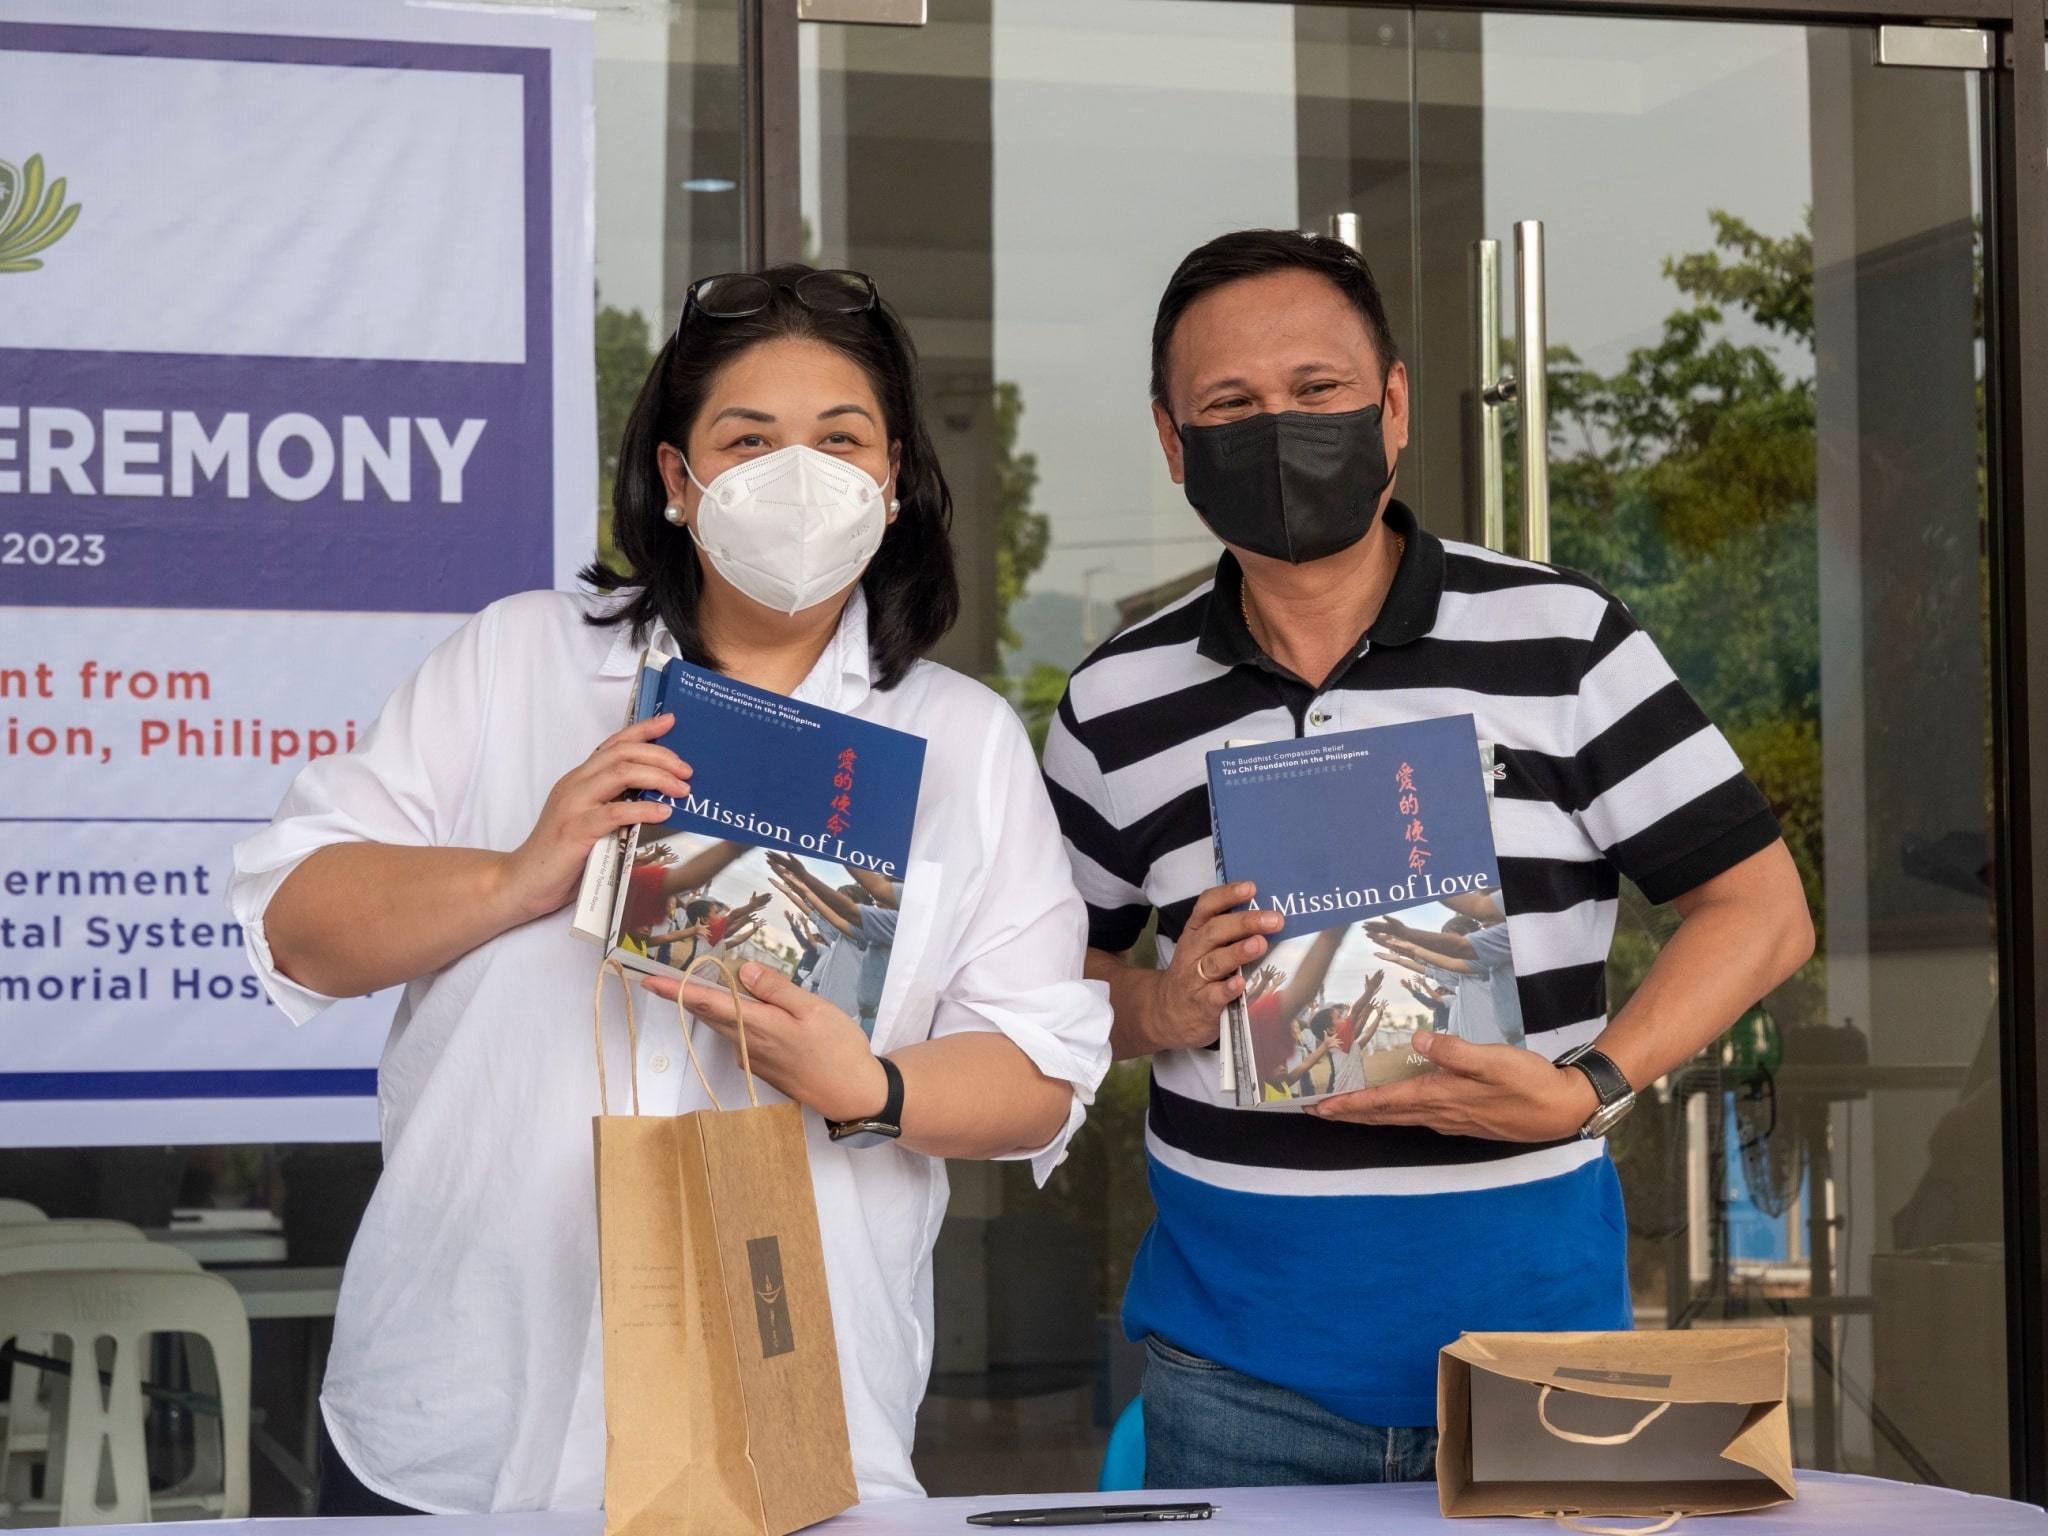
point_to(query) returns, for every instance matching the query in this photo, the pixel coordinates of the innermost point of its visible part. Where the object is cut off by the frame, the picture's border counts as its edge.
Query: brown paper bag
(722, 1402)
(1653, 1424)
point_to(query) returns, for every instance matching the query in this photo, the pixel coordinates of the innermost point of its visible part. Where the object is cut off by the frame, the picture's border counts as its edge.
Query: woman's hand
(797, 1042)
(541, 875)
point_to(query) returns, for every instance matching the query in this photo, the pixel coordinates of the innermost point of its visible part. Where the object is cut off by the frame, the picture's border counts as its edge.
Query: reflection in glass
(1766, 437)
(668, 198)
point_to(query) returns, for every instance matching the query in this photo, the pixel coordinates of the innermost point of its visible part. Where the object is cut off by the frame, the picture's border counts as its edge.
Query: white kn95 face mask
(792, 527)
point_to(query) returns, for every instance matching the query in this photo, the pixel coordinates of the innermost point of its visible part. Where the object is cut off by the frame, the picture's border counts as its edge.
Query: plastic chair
(1123, 1459)
(98, 1468)
(29, 1258)
(82, 1229)
(13, 1212)
(24, 1408)
(25, 1425)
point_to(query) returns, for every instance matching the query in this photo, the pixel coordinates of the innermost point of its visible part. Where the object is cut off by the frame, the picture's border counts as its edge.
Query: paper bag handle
(604, 1097)
(729, 974)
(1564, 1517)
(1671, 1518)
(1542, 1403)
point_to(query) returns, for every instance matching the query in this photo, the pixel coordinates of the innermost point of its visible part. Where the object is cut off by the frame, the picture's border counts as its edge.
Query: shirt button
(658, 1061)
(1319, 717)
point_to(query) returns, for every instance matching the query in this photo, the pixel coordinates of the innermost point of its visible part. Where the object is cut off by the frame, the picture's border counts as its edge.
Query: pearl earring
(895, 506)
(674, 513)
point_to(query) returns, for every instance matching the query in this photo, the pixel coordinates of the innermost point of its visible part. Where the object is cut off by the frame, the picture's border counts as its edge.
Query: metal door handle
(1525, 387)
(1491, 389)
(1532, 389)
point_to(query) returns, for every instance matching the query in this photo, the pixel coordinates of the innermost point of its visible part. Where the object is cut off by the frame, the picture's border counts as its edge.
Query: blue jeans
(1207, 1426)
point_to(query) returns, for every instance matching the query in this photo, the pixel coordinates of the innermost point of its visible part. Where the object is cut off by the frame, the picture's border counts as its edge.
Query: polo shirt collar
(1408, 613)
(841, 679)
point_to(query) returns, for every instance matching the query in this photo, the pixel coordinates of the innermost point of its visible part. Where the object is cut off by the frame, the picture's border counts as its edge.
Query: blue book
(793, 854)
(1377, 847)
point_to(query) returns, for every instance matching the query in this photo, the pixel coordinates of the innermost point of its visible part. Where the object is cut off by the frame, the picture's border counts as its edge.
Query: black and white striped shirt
(1606, 768)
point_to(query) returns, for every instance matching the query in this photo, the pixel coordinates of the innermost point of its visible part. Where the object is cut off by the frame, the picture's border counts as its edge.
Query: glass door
(1765, 434)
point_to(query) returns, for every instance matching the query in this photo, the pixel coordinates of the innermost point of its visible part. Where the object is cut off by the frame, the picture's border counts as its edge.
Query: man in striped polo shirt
(1304, 1269)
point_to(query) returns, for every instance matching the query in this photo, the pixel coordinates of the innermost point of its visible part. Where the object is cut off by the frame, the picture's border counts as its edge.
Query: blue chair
(1123, 1459)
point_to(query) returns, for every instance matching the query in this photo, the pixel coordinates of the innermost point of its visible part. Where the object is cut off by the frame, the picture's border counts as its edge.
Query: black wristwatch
(1610, 1086)
(876, 1129)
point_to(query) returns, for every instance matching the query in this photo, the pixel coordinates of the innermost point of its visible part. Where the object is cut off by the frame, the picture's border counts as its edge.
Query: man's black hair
(912, 589)
(1253, 253)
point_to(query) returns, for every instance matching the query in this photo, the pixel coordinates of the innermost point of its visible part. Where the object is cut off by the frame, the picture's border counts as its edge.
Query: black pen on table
(1094, 1514)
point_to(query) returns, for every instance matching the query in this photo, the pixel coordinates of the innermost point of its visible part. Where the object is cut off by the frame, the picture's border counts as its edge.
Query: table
(227, 1242)
(213, 1246)
(268, 1293)
(292, 1293)
(1827, 1502)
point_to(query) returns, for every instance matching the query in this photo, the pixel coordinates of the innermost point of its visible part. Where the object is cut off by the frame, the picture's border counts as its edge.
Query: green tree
(624, 355)
(1772, 279)
(1685, 483)
(1036, 695)
(1022, 535)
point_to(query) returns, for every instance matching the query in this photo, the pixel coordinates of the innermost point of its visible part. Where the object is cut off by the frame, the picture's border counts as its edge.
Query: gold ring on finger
(1200, 963)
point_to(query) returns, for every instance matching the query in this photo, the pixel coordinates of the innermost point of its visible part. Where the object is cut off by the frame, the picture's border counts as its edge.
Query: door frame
(2015, 160)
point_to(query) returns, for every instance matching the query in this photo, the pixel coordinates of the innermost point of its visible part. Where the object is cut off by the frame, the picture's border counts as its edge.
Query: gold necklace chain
(1244, 591)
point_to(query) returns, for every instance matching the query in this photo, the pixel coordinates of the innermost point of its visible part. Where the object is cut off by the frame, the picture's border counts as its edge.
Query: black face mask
(1296, 486)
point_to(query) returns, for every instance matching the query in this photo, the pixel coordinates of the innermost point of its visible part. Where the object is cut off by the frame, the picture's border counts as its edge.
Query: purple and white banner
(295, 372)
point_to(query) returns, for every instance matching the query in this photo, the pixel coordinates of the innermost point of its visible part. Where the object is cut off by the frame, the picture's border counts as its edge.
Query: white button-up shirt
(466, 1373)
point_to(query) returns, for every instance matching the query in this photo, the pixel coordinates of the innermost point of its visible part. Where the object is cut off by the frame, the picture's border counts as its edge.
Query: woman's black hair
(912, 589)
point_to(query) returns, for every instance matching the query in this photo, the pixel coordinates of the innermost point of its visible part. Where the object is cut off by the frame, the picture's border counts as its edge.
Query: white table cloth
(1826, 1502)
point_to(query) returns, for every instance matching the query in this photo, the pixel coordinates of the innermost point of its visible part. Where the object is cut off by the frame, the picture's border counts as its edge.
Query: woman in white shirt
(778, 423)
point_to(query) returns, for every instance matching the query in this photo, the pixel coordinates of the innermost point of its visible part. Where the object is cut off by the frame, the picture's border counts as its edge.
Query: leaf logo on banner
(31, 219)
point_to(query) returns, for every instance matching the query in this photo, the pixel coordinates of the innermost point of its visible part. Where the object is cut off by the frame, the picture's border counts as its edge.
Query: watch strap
(886, 1123)
(892, 1107)
(1610, 1083)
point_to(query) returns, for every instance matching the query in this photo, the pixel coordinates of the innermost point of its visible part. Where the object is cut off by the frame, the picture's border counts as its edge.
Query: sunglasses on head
(735, 295)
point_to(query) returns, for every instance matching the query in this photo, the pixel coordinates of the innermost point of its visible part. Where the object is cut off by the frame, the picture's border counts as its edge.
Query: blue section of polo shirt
(1346, 1299)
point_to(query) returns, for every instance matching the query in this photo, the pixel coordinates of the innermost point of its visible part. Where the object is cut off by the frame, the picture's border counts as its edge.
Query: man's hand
(1499, 1092)
(1202, 978)
(1183, 1004)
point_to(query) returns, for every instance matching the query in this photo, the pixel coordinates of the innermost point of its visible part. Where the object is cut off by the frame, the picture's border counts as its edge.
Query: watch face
(864, 1133)
(1607, 1116)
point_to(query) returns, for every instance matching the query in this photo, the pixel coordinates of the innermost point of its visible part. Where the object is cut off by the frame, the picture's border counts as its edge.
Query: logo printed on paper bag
(31, 219)
(1612, 1378)
(771, 1297)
